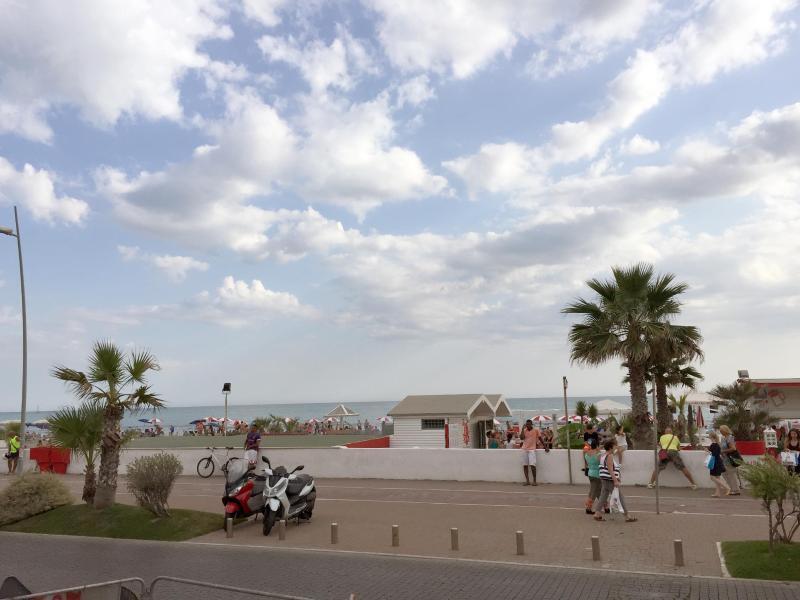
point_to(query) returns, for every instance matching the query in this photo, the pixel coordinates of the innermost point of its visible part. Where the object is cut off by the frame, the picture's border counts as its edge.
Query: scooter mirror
(266, 460)
(300, 468)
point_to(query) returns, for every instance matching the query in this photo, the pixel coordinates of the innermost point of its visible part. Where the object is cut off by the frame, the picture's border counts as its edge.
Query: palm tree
(580, 408)
(738, 411)
(629, 316)
(679, 405)
(591, 412)
(670, 366)
(80, 429)
(117, 383)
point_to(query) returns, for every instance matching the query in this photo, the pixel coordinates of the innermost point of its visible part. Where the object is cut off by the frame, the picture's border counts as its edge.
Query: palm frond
(106, 364)
(77, 381)
(142, 398)
(139, 364)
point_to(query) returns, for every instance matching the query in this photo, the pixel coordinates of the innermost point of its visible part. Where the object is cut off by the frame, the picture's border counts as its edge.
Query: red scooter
(244, 491)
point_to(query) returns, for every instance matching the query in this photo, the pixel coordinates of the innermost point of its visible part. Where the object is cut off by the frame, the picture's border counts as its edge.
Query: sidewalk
(487, 515)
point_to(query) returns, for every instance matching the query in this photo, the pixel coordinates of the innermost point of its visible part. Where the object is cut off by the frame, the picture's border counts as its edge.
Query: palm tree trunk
(89, 485)
(641, 425)
(663, 415)
(109, 458)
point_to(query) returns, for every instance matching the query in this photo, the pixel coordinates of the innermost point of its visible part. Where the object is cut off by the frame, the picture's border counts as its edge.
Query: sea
(181, 416)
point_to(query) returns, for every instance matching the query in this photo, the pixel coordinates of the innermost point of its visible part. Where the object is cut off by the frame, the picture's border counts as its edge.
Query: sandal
(631, 520)
(598, 518)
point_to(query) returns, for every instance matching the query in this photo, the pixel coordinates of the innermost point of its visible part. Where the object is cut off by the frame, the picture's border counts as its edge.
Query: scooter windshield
(237, 469)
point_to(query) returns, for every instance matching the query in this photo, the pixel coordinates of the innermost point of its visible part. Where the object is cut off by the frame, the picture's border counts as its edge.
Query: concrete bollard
(520, 544)
(282, 529)
(454, 538)
(228, 527)
(395, 535)
(678, 552)
(334, 533)
(595, 548)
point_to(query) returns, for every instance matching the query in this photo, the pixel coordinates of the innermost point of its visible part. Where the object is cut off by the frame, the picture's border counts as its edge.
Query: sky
(357, 200)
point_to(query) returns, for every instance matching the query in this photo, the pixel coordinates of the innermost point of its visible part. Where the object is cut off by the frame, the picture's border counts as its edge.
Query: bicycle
(207, 465)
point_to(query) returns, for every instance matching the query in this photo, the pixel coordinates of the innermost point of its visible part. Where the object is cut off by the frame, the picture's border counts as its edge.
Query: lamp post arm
(23, 407)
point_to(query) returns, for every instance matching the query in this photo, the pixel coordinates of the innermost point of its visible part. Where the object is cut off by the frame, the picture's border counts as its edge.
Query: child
(718, 466)
(592, 458)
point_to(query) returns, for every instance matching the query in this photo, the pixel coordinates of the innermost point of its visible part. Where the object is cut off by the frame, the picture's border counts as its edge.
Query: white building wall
(789, 408)
(408, 433)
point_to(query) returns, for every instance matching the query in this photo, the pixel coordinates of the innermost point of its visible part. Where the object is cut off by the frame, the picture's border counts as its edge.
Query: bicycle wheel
(228, 462)
(205, 467)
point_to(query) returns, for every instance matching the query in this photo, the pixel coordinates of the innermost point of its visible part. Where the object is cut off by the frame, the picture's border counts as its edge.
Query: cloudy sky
(356, 200)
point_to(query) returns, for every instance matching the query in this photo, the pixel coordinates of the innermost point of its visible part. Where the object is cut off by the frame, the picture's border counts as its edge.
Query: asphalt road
(48, 562)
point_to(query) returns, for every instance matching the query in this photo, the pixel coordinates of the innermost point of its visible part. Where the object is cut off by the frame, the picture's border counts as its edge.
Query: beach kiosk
(446, 420)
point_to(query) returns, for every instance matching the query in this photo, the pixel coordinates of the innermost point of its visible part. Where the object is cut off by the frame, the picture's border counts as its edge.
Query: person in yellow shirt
(670, 443)
(13, 453)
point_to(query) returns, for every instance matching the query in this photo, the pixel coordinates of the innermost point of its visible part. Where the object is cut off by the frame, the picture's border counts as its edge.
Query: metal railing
(118, 589)
(95, 591)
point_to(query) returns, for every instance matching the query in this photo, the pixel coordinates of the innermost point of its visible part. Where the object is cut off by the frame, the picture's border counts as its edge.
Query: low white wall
(451, 464)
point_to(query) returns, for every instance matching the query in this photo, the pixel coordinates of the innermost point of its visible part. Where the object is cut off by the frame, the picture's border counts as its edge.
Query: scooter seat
(297, 484)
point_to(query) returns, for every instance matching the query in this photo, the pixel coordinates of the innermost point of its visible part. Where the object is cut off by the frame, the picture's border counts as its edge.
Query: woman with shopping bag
(716, 466)
(610, 477)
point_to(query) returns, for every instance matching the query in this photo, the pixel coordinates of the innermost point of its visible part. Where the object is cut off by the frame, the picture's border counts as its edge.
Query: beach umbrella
(153, 421)
(496, 422)
(40, 423)
(541, 419)
(384, 419)
(699, 420)
(313, 421)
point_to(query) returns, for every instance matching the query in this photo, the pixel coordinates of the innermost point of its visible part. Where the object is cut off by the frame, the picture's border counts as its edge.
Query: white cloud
(176, 268)
(235, 303)
(639, 145)
(734, 35)
(466, 36)
(106, 59)
(264, 11)
(347, 158)
(35, 190)
(322, 65)
(415, 91)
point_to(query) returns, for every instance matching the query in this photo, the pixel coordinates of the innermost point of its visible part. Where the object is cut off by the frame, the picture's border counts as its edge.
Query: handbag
(663, 455)
(711, 461)
(614, 503)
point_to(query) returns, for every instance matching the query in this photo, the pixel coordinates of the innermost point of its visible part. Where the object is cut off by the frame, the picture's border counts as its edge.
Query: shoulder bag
(663, 455)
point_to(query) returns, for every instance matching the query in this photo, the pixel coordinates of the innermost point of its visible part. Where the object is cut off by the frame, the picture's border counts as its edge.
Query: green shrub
(779, 492)
(31, 494)
(150, 480)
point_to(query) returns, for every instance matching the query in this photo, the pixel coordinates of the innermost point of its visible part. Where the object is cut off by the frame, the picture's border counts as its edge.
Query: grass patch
(120, 521)
(237, 441)
(752, 560)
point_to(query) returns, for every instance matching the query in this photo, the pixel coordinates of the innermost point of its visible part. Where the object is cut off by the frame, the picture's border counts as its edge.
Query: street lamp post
(566, 417)
(23, 407)
(226, 389)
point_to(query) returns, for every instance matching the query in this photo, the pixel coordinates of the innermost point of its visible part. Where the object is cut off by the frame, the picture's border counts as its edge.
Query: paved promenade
(556, 529)
(48, 562)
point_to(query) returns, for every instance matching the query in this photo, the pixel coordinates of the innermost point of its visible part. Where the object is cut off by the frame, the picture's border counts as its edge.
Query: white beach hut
(446, 420)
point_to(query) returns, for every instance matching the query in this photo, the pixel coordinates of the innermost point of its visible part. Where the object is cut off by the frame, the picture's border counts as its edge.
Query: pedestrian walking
(13, 453)
(732, 459)
(792, 444)
(669, 452)
(611, 481)
(716, 466)
(530, 441)
(592, 457)
(547, 439)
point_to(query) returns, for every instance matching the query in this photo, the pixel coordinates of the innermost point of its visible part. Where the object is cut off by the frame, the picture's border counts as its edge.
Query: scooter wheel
(269, 522)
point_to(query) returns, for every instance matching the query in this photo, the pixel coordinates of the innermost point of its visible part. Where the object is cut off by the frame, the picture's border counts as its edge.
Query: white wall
(443, 464)
(408, 433)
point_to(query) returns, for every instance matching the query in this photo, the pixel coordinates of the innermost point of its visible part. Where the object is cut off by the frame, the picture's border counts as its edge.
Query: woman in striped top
(610, 479)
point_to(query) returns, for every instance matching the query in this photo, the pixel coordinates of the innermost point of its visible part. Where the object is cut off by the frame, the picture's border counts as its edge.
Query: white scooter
(287, 496)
